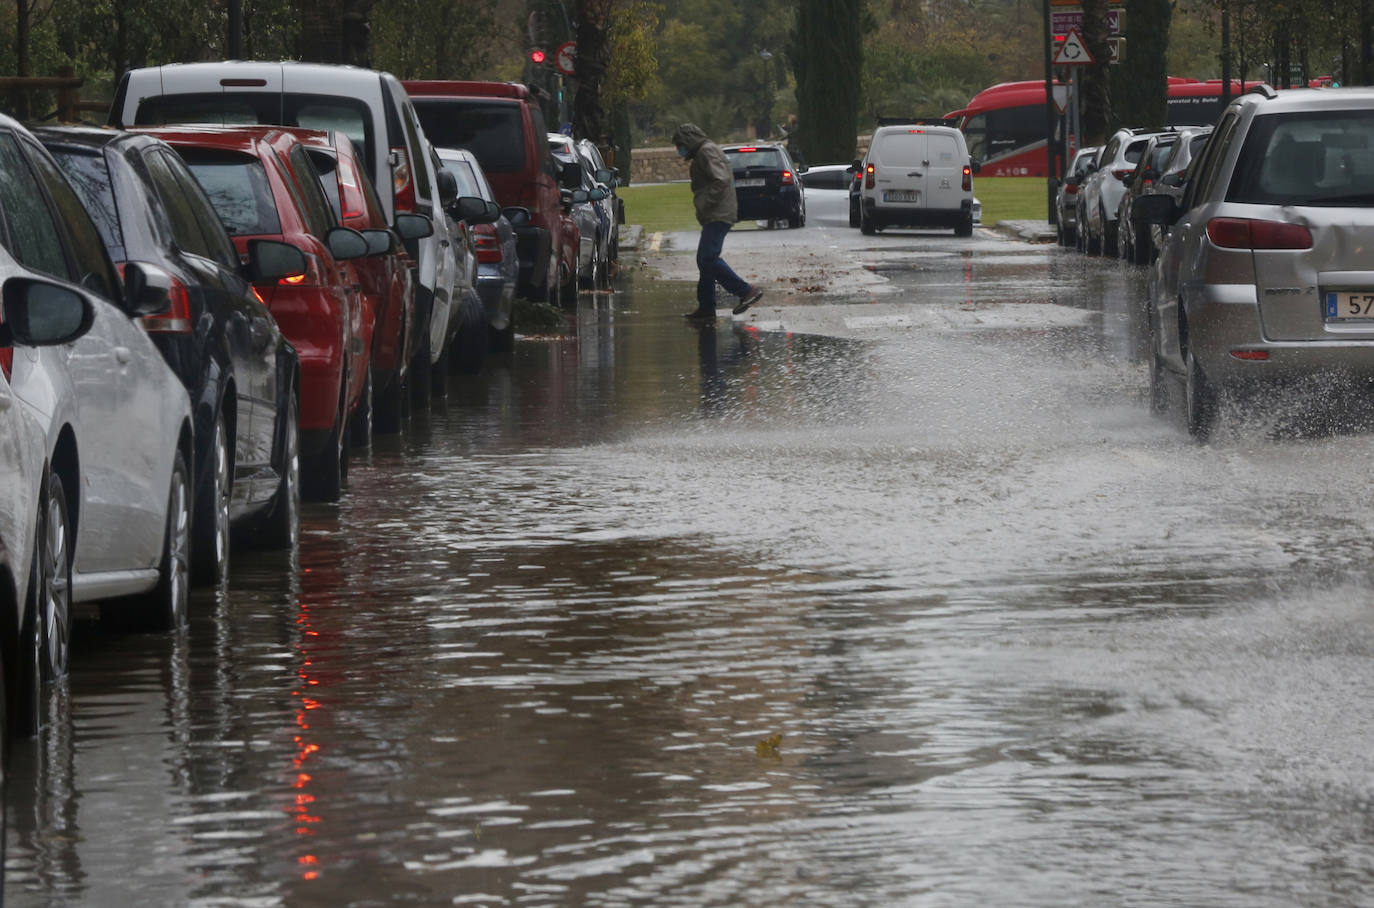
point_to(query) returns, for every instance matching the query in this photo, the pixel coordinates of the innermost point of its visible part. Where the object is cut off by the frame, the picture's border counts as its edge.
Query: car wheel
(1092, 245)
(853, 215)
(55, 579)
(1142, 249)
(212, 509)
(502, 340)
(418, 373)
(567, 285)
(360, 424)
(866, 223)
(167, 607)
(1201, 400)
(282, 529)
(965, 227)
(26, 705)
(438, 374)
(1108, 236)
(1159, 384)
(388, 408)
(795, 221)
(472, 343)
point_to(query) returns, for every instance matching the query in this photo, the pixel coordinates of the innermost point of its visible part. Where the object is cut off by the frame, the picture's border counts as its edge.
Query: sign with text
(1065, 20)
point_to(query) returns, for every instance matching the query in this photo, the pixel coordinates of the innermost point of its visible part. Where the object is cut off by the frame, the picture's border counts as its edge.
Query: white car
(917, 174)
(111, 421)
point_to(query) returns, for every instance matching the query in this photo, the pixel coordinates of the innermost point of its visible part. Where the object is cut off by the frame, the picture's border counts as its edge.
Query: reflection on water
(655, 613)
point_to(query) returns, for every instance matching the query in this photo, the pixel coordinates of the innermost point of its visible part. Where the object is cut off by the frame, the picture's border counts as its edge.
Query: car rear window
(1135, 150)
(90, 177)
(492, 130)
(766, 158)
(467, 183)
(238, 188)
(349, 116)
(901, 149)
(1308, 158)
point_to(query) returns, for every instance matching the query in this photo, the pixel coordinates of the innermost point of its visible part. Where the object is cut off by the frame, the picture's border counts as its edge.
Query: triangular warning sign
(1073, 51)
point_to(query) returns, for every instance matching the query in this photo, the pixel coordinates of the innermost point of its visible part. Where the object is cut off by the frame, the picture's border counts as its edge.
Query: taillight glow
(6, 356)
(176, 318)
(746, 149)
(968, 177)
(1123, 173)
(870, 176)
(1254, 356)
(311, 277)
(787, 179)
(1247, 233)
(402, 183)
(1071, 189)
(488, 244)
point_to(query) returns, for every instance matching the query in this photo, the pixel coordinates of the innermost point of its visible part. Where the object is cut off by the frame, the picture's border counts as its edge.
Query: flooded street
(901, 601)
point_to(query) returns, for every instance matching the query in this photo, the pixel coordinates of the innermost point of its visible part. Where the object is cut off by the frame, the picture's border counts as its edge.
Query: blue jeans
(712, 267)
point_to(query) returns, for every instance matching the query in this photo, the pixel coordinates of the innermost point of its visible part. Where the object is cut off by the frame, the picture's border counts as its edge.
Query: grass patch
(668, 206)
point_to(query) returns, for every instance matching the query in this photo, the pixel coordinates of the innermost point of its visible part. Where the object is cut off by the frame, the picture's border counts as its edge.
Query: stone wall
(662, 165)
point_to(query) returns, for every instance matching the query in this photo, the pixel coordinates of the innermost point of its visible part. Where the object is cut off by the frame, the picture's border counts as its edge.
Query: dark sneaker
(747, 300)
(700, 315)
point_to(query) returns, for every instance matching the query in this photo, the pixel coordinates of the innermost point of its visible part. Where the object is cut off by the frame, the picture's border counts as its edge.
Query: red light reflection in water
(303, 810)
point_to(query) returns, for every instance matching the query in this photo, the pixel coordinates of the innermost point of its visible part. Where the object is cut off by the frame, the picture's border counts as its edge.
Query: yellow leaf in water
(768, 747)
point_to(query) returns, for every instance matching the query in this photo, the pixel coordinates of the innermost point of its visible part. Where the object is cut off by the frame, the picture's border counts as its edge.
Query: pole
(1051, 156)
(1225, 53)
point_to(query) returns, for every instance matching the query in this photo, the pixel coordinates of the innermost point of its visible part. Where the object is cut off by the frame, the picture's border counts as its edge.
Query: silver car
(1267, 272)
(498, 267)
(1101, 192)
(115, 495)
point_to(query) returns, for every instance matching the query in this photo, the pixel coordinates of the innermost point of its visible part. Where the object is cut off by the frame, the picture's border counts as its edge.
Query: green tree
(439, 39)
(828, 64)
(1140, 85)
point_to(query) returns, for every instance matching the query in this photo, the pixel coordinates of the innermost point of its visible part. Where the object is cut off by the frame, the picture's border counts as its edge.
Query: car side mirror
(596, 195)
(975, 166)
(414, 226)
(1156, 209)
(570, 176)
(801, 168)
(378, 241)
(471, 209)
(345, 243)
(518, 217)
(448, 187)
(271, 260)
(40, 314)
(856, 166)
(605, 175)
(147, 289)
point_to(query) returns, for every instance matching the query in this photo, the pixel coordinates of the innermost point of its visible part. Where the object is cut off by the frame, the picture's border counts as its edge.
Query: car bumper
(1223, 321)
(893, 216)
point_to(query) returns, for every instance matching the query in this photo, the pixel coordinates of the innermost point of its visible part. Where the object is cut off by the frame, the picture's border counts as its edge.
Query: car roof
(1307, 98)
(248, 139)
(761, 146)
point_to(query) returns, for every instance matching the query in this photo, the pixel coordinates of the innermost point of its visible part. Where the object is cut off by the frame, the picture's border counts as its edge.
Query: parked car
(263, 185)
(1171, 182)
(369, 107)
(1100, 194)
(1265, 275)
(767, 184)
(828, 176)
(219, 338)
(1066, 198)
(607, 178)
(498, 266)
(917, 175)
(503, 125)
(1134, 247)
(118, 438)
(387, 275)
(593, 222)
(467, 338)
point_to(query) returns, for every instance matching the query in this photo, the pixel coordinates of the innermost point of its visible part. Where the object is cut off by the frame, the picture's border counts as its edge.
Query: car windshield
(492, 130)
(744, 158)
(1307, 158)
(90, 177)
(238, 188)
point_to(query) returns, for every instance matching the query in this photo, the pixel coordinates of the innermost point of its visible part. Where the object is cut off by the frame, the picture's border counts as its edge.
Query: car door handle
(915, 173)
(122, 355)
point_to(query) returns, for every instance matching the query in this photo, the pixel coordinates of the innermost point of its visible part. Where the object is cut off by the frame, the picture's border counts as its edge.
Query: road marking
(655, 241)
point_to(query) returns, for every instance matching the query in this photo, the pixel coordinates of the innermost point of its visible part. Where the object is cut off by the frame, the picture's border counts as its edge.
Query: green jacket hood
(690, 137)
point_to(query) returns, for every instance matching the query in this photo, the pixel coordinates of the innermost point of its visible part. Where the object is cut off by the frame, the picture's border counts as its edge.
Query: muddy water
(659, 615)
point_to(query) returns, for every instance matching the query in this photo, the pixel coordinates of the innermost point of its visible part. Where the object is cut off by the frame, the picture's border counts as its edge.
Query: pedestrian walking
(713, 195)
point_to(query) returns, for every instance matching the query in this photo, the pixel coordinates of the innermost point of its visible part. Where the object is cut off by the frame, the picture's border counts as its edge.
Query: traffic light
(537, 55)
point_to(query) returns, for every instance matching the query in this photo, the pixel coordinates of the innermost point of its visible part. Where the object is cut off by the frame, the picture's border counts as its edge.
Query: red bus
(1005, 125)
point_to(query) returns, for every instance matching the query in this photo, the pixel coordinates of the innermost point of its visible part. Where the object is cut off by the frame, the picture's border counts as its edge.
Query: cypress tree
(827, 60)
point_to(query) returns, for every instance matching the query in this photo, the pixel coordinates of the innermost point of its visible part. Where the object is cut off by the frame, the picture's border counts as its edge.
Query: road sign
(1062, 21)
(1073, 52)
(565, 58)
(1060, 98)
(1118, 47)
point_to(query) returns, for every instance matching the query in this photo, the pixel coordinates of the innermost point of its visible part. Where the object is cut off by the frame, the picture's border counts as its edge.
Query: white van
(369, 107)
(917, 175)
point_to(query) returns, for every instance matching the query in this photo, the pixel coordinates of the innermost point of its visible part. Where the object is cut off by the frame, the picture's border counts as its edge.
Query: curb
(1028, 231)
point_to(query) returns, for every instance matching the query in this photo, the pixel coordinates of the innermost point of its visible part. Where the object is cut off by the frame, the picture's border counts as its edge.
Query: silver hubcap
(56, 594)
(293, 484)
(222, 493)
(178, 550)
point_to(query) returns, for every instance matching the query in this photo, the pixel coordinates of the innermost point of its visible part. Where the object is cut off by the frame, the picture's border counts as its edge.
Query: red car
(387, 275)
(264, 186)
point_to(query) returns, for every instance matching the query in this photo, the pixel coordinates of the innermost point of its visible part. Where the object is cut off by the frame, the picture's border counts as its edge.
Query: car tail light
(1246, 233)
(751, 148)
(968, 177)
(787, 178)
(488, 244)
(1123, 173)
(870, 176)
(176, 318)
(402, 182)
(1254, 356)
(6, 356)
(1071, 189)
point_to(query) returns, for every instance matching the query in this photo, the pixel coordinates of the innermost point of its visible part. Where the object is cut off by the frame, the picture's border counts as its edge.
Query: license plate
(1350, 304)
(748, 183)
(901, 195)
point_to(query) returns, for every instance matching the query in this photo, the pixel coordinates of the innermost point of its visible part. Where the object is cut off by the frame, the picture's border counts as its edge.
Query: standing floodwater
(935, 614)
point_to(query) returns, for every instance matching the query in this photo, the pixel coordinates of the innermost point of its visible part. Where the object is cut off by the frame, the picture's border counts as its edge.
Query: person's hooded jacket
(713, 179)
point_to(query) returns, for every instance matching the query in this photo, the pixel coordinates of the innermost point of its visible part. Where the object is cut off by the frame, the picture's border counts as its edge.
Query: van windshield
(349, 116)
(492, 130)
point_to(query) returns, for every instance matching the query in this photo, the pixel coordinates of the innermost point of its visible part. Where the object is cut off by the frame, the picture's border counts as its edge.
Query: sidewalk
(1030, 231)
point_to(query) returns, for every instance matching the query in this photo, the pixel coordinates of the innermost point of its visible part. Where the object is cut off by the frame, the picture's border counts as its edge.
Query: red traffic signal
(537, 55)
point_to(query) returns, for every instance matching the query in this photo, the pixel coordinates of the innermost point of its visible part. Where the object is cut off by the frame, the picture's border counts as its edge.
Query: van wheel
(964, 228)
(866, 223)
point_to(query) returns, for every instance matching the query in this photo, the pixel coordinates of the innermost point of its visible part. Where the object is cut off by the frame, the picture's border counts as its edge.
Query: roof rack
(918, 121)
(1263, 89)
